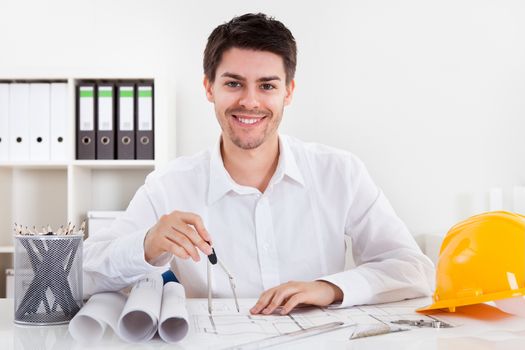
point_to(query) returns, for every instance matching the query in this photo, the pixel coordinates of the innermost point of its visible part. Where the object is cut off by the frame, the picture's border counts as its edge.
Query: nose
(249, 98)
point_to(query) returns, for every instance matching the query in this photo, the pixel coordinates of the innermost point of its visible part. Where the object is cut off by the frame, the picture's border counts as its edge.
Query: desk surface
(477, 327)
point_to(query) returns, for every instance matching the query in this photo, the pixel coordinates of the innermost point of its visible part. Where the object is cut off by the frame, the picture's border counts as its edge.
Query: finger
(294, 300)
(196, 221)
(194, 237)
(181, 240)
(282, 293)
(176, 250)
(263, 301)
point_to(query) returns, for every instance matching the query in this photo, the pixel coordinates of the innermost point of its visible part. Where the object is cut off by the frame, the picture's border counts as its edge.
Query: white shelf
(34, 165)
(115, 164)
(53, 192)
(93, 164)
(41, 193)
(7, 249)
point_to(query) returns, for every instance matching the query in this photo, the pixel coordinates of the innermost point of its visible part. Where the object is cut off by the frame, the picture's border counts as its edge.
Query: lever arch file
(105, 122)
(144, 135)
(126, 121)
(60, 138)
(85, 127)
(39, 121)
(19, 122)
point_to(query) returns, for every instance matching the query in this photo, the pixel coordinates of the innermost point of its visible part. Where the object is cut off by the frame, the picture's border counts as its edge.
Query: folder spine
(60, 138)
(145, 145)
(85, 121)
(19, 122)
(105, 121)
(126, 121)
(4, 122)
(39, 126)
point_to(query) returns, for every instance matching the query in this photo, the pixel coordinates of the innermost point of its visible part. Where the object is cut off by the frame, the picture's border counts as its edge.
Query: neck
(254, 167)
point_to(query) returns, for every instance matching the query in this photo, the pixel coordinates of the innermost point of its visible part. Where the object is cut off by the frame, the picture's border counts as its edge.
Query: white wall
(93, 39)
(431, 95)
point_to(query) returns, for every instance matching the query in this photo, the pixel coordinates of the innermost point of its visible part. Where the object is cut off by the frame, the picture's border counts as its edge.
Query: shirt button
(266, 246)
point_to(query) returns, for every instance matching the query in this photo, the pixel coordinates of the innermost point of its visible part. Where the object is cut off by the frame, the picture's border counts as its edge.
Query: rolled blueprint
(149, 307)
(173, 325)
(101, 310)
(139, 319)
(133, 320)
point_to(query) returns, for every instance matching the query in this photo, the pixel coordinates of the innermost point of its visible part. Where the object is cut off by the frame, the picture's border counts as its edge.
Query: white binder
(4, 122)
(60, 142)
(39, 123)
(19, 122)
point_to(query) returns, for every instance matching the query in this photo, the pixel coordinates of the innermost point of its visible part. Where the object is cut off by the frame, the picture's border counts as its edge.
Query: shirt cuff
(356, 289)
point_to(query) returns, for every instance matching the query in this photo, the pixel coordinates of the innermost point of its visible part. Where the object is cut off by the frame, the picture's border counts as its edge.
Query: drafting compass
(214, 260)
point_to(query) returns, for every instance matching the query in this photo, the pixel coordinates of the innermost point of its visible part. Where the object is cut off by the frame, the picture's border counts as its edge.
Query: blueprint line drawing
(227, 327)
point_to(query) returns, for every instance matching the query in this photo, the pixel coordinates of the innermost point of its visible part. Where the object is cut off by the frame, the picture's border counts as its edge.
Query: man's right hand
(178, 233)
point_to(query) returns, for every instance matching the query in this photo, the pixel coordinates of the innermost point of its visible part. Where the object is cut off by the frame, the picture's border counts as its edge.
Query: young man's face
(249, 94)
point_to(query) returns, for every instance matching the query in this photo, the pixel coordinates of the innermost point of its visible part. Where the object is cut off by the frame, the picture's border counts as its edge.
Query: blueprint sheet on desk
(227, 327)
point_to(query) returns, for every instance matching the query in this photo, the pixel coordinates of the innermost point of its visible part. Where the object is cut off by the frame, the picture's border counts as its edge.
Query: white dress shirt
(295, 230)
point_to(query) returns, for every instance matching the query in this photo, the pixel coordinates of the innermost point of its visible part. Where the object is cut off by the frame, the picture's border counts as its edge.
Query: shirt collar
(287, 165)
(220, 181)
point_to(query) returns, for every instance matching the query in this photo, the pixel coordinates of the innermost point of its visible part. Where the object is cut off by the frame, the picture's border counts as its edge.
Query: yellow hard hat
(481, 259)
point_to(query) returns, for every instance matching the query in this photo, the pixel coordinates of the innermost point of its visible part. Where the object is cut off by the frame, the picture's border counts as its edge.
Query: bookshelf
(53, 193)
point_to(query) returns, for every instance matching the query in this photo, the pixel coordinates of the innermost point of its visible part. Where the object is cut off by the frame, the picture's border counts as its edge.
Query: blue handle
(169, 276)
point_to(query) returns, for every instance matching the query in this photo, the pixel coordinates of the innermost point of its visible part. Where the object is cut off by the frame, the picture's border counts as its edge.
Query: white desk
(478, 327)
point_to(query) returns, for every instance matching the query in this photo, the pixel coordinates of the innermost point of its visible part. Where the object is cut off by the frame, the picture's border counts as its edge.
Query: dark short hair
(251, 31)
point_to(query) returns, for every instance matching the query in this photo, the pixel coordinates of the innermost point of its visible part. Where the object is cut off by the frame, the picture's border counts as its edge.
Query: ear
(289, 92)
(208, 87)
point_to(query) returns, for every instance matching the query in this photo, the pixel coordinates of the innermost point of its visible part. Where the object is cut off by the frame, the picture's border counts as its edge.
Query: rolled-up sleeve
(114, 256)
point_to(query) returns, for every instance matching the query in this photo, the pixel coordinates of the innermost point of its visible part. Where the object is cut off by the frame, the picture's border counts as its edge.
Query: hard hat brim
(451, 304)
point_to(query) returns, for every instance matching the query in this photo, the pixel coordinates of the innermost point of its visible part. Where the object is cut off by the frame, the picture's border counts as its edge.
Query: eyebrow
(241, 78)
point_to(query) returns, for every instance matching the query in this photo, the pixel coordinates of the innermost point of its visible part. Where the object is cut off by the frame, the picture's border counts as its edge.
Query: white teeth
(247, 121)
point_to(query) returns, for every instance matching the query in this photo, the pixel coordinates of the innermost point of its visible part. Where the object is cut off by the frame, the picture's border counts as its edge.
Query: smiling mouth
(247, 121)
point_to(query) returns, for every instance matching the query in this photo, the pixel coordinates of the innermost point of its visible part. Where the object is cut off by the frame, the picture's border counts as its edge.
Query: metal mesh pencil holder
(48, 278)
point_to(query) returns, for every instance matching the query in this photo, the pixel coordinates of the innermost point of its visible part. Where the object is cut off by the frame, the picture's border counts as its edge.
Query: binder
(4, 122)
(144, 139)
(85, 128)
(60, 142)
(39, 123)
(19, 122)
(126, 121)
(105, 122)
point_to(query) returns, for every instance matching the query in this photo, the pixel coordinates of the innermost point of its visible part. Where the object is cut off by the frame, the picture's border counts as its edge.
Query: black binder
(85, 121)
(144, 122)
(125, 125)
(105, 114)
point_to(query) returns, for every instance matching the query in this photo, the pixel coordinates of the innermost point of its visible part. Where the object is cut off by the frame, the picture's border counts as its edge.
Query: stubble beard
(250, 144)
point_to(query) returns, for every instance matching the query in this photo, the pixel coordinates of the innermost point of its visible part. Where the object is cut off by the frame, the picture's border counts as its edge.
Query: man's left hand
(291, 294)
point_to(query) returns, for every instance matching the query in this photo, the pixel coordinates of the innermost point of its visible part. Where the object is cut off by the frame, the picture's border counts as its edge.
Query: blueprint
(227, 327)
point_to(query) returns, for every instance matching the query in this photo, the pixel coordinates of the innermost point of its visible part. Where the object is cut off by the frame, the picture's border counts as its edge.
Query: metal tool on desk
(292, 336)
(424, 324)
(363, 331)
(213, 260)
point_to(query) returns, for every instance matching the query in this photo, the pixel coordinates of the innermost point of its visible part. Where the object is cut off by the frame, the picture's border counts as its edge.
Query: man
(275, 209)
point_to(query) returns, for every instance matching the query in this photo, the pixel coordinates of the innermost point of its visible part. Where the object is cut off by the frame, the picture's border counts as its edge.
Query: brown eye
(233, 84)
(267, 87)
